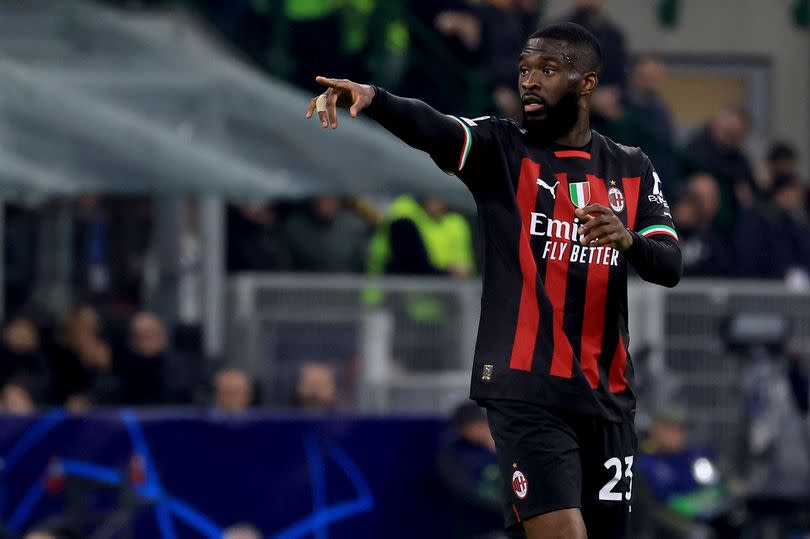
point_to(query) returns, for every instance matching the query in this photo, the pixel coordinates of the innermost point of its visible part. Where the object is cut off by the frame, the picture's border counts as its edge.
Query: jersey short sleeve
(479, 151)
(653, 214)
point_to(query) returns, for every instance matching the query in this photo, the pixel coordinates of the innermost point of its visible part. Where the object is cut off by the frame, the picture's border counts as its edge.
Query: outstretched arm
(413, 121)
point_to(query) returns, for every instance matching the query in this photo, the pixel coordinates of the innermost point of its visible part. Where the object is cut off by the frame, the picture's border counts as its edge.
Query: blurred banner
(190, 475)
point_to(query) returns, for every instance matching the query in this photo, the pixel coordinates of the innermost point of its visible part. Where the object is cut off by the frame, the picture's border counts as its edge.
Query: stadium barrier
(179, 474)
(395, 361)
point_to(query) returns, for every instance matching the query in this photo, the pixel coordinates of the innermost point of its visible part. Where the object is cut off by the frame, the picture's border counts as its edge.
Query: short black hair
(589, 52)
(781, 150)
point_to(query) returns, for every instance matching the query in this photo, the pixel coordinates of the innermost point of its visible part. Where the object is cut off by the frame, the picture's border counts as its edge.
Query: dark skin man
(561, 413)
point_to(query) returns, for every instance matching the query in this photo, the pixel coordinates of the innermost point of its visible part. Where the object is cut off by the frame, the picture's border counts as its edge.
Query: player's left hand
(602, 227)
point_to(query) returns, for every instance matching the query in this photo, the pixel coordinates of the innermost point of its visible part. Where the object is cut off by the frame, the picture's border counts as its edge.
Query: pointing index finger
(332, 83)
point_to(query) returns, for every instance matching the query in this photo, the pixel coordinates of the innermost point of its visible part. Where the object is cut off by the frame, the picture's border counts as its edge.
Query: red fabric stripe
(631, 186)
(593, 322)
(617, 366)
(529, 311)
(556, 280)
(517, 516)
(573, 153)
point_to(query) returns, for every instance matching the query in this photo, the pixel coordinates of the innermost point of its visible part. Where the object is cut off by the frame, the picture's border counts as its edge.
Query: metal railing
(393, 361)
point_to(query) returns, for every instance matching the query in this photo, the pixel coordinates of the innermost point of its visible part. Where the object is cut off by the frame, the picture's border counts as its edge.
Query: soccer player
(563, 210)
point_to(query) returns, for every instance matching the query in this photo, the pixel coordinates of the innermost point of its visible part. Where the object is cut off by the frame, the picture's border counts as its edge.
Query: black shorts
(554, 459)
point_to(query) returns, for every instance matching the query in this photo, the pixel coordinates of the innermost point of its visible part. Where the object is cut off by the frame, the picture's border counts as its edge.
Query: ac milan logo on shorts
(616, 199)
(519, 484)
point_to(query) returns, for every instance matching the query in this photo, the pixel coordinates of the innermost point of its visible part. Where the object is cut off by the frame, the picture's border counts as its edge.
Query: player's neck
(578, 136)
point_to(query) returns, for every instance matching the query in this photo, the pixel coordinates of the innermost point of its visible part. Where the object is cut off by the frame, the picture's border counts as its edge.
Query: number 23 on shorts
(609, 491)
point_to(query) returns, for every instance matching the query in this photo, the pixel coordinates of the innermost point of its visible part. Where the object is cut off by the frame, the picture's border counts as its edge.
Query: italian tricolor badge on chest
(580, 193)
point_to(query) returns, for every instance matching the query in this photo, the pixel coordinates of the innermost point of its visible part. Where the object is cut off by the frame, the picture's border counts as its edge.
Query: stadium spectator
(422, 238)
(241, 531)
(16, 397)
(80, 360)
(444, 57)
(325, 237)
(705, 251)
(147, 370)
(678, 487)
(773, 238)
(606, 100)
(469, 471)
(461, 29)
(782, 159)
(316, 388)
(501, 40)
(111, 236)
(718, 149)
(487, 36)
(648, 77)
(645, 120)
(254, 240)
(21, 357)
(592, 15)
(233, 390)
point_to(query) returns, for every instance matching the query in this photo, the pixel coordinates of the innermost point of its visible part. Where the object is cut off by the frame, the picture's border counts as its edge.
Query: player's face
(548, 87)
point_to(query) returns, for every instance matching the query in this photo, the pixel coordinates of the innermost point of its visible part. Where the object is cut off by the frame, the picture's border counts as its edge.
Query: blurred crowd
(82, 363)
(739, 215)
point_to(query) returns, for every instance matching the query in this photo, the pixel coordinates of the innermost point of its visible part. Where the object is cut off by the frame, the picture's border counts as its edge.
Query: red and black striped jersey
(553, 326)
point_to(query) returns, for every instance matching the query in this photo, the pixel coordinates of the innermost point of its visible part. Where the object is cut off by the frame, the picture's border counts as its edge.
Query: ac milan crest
(519, 484)
(616, 199)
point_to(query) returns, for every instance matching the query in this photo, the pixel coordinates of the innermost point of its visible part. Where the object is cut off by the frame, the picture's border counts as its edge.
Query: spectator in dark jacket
(80, 360)
(502, 38)
(782, 158)
(592, 15)
(147, 370)
(21, 358)
(705, 251)
(646, 120)
(469, 471)
(111, 237)
(606, 100)
(718, 149)
(325, 236)
(254, 241)
(773, 239)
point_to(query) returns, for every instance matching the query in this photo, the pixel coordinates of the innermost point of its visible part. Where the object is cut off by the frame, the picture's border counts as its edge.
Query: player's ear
(588, 83)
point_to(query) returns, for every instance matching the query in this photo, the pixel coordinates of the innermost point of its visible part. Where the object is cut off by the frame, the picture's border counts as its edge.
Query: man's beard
(559, 120)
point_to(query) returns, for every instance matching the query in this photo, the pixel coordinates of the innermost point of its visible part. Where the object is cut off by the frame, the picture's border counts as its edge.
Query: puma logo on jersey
(550, 188)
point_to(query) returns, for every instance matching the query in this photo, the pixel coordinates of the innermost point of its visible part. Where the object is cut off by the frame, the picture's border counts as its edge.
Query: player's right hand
(340, 93)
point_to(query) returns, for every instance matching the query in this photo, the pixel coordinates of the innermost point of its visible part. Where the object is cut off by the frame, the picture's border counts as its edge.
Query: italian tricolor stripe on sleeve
(658, 229)
(465, 150)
